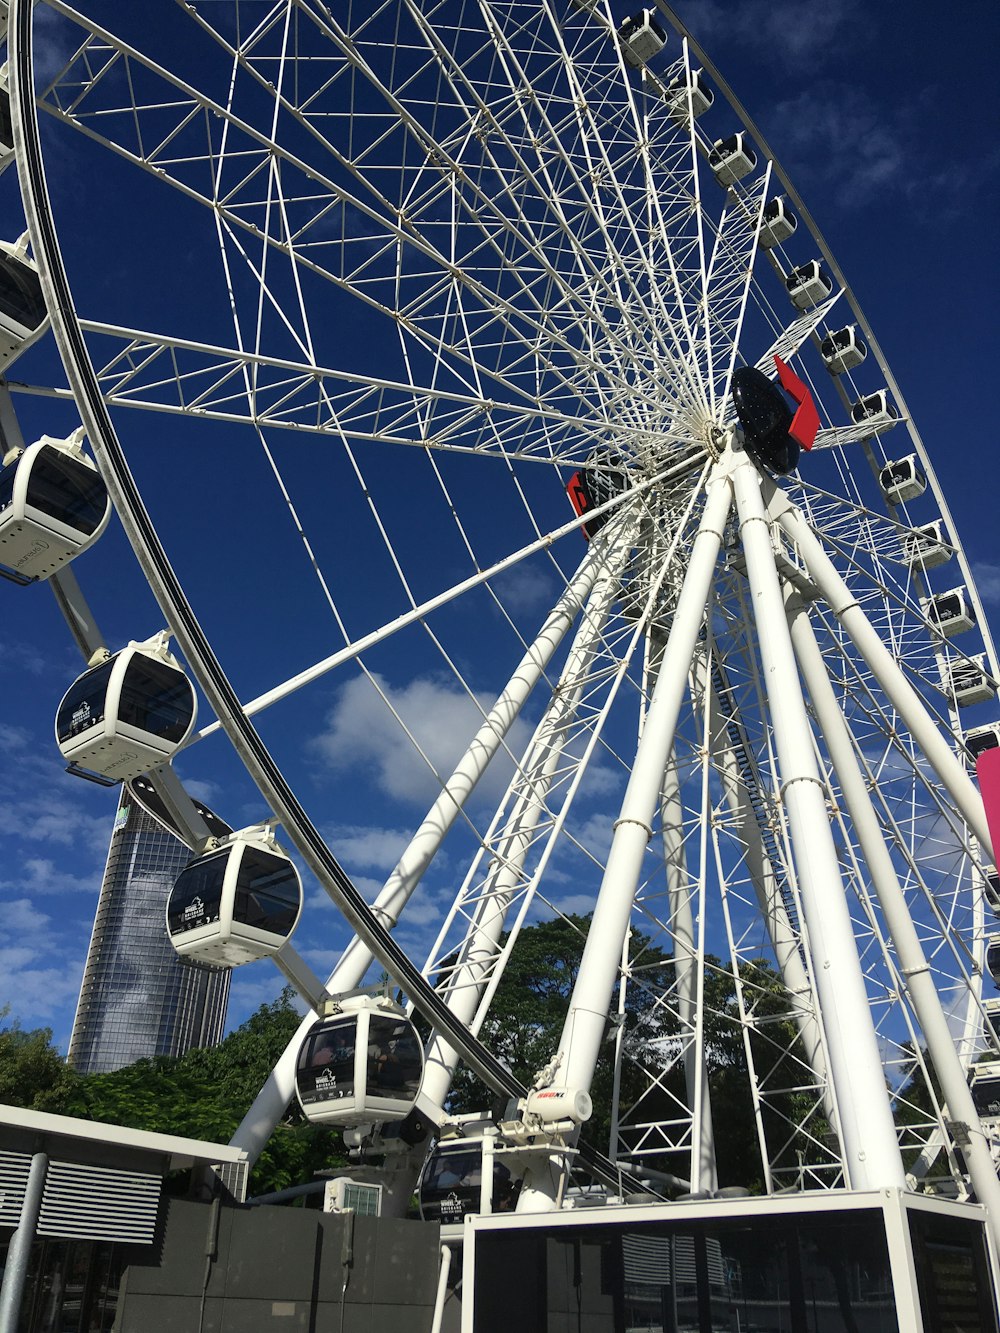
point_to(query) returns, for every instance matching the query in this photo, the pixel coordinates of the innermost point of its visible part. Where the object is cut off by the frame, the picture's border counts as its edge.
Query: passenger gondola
(363, 1064)
(807, 285)
(53, 505)
(902, 480)
(876, 410)
(731, 159)
(978, 740)
(777, 224)
(128, 713)
(600, 479)
(986, 1090)
(676, 96)
(991, 888)
(23, 316)
(951, 612)
(843, 350)
(451, 1184)
(993, 959)
(641, 38)
(237, 903)
(926, 546)
(970, 683)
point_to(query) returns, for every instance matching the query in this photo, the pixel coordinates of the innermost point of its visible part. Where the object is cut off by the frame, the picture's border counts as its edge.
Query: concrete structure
(138, 998)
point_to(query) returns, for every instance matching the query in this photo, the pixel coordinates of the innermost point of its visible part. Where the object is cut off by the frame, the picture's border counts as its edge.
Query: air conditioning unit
(352, 1196)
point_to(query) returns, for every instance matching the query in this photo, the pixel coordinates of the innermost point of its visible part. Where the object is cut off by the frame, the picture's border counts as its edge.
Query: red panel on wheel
(805, 422)
(988, 773)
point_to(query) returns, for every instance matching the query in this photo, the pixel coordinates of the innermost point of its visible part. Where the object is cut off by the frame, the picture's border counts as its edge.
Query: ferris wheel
(513, 371)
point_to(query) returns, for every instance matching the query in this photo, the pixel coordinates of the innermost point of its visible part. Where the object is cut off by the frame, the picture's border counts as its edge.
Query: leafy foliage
(201, 1095)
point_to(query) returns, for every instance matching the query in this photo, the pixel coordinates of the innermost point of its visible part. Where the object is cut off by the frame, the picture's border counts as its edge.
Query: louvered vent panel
(99, 1203)
(234, 1176)
(13, 1180)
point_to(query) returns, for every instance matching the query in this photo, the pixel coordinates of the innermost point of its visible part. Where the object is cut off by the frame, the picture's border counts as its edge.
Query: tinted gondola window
(67, 490)
(395, 1059)
(156, 698)
(267, 892)
(20, 293)
(6, 124)
(325, 1070)
(196, 898)
(85, 702)
(7, 479)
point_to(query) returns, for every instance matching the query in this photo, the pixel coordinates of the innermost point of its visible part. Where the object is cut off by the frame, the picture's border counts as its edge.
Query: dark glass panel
(325, 1070)
(196, 898)
(267, 892)
(156, 698)
(450, 1185)
(6, 125)
(85, 702)
(952, 1273)
(819, 1273)
(395, 1059)
(20, 293)
(67, 490)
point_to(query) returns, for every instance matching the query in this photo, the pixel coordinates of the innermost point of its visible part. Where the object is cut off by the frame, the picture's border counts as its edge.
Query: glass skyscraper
(138, 998)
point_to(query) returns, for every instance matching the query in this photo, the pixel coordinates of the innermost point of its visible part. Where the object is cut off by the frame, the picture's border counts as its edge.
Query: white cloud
(785, 29)
(40, 875)
(987, 578)
(372, 847)
(526, 587)
(363, 736)
(19, 915)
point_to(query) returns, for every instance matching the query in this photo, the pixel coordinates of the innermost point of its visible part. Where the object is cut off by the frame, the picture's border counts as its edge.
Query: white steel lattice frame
(538, 240)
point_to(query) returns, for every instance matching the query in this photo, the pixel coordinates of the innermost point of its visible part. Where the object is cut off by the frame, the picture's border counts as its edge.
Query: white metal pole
(884, 666)
(590, 1004)
(479, 949)
(688, 966)
(913, 963)
(271, 1102)
(871, 1151)
(15, 1271)
(785, 940)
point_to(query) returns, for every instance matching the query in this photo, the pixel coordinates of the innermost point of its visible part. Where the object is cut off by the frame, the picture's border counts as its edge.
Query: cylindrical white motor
(552, 1104)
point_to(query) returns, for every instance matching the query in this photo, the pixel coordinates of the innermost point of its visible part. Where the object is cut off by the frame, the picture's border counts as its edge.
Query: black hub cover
(765, 417)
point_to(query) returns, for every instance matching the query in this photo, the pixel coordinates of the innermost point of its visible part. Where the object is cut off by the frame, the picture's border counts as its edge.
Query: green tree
(204, 1095)
(31, 1069)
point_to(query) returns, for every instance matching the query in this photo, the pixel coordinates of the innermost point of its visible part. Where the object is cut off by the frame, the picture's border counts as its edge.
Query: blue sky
(886, 120)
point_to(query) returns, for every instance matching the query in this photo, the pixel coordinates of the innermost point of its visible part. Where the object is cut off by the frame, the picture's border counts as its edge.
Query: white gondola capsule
(902, 480)
(970, 683)
(451, 1184)
(237, 903)
(731, 159)
(875, 410)
(993, 959)
(53, 505)
(128, 713)
(951, 612)
(843, 350)
(807, 285)
(986, 1089)
(641, 37)
(991, 888)
(926, 546)
(777, 224)
(23, 316)
(676, 96)
(978, 740)
(364, 1064)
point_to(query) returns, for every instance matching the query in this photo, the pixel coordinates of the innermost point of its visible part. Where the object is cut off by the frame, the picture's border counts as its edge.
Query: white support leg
(689, 965)
(784, 938)
(909, 952)
(871, 1151)
(271, 1102)
(884, 667)
(591, 1001)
